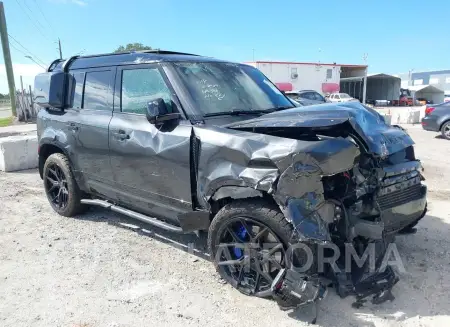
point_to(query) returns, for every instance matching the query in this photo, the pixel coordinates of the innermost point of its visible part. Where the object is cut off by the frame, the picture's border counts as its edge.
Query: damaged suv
(188, 143)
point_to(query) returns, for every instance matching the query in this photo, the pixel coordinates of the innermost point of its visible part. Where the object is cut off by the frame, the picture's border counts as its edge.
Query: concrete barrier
(404, 115)
(18, 152)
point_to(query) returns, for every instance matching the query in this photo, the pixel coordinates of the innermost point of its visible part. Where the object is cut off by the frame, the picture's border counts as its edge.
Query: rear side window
(318, 97)
(304, 95)
(78, 93)
(141, 86)
(292, 95)
(96, 90)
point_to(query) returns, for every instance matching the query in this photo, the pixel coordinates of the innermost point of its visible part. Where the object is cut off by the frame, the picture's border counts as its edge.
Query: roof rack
(156, 51)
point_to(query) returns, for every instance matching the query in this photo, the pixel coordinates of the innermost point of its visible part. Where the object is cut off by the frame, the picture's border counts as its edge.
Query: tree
(132, 46)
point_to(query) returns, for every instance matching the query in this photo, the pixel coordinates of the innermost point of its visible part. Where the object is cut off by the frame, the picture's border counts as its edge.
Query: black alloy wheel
(56, 187)
(249, 255)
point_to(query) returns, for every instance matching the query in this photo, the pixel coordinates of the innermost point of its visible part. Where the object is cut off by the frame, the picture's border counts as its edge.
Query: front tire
(60, 186)
(260, 229)
(445, 130)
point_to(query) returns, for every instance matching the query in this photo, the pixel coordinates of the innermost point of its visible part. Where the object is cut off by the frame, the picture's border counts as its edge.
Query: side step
(134, 214)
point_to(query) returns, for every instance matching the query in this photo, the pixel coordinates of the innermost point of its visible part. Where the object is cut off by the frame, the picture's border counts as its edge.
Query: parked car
(437, 119)
(306, 97)
(423, 101)
(341, 97)
(447, 98)
(189, 143)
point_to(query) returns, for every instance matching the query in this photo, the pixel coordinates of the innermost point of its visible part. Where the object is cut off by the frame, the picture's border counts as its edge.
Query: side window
(96, 90)
(141, 86)
(329, 73)
(306, 95)
(318, 97)
(78, 92)
(332, 96)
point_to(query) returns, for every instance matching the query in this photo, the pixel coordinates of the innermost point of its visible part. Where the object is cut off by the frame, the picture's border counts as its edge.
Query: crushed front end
(361, 211)
(346, 197)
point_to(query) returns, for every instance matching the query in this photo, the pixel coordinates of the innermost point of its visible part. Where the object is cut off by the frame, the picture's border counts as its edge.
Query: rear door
(151, 164)
(87, 123)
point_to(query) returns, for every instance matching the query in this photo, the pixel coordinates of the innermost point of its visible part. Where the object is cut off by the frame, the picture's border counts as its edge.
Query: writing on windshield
(217, 87)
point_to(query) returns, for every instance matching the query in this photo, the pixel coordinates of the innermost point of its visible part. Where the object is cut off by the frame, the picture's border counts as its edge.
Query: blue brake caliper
(241, 233)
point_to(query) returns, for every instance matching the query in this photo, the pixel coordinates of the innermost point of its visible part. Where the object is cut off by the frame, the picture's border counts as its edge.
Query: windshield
(218, 87)
(344, 96)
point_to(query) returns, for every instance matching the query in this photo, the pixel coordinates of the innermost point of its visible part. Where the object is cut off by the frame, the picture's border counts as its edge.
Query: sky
(395, 35)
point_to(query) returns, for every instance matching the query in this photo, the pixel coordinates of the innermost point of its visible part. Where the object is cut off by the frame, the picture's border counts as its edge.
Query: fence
(26, 110)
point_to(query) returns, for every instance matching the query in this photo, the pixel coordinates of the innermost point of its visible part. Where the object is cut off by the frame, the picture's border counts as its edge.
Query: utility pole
(7, 59)
(59, 46)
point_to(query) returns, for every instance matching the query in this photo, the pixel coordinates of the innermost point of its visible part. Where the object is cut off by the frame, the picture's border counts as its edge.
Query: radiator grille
(397, 198)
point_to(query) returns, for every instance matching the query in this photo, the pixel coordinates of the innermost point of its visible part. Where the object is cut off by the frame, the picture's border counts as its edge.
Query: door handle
(72, 127)
(122, 135)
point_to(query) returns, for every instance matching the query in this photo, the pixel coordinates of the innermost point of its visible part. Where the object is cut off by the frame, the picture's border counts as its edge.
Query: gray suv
(189, 143)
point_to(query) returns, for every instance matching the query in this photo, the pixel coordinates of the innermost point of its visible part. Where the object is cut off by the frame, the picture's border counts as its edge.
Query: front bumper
(429, 123)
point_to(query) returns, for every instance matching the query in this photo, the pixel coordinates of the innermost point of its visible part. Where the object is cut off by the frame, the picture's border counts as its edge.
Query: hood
(337, 120)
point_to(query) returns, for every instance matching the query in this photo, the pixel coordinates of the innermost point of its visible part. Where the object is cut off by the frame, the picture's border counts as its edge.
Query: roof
(417, 88)
(129, 58)
(361, 78)
(304, 63)
(382, 75)
(299, 91)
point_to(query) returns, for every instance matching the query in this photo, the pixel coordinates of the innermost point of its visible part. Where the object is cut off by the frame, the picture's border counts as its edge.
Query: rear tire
(60, 186)
(445, 130)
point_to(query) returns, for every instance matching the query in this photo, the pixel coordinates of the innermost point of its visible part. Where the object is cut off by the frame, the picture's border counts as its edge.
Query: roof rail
(65, 67)
(53, 64)
(156, 51)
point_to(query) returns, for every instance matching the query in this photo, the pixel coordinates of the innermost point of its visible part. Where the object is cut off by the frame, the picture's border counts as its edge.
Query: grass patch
(5, 121)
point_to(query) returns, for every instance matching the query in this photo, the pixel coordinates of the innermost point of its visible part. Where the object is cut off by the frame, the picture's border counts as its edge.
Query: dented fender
(249, 165)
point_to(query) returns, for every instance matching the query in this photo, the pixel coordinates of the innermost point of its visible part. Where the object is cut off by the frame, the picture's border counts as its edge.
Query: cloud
(76, 2)
(27, 71)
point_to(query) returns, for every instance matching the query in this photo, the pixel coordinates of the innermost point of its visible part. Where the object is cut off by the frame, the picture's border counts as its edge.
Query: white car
(340, 97)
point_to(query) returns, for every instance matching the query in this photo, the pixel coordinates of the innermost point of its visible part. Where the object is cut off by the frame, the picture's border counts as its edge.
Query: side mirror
(158, 114)
(54, 89)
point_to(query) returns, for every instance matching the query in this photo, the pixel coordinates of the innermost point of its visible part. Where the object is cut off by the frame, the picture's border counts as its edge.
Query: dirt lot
(96, 271)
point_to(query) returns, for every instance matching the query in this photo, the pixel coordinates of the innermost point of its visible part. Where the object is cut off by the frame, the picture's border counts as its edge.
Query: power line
(26, 55)
(37, 27)
(32, 14)
(43, 15)
(29, 52)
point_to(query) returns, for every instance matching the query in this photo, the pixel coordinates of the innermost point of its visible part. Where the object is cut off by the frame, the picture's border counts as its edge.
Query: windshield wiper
(236, 112)
(282, 108)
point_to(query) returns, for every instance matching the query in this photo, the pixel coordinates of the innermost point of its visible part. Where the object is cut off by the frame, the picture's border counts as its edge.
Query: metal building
(437, 78)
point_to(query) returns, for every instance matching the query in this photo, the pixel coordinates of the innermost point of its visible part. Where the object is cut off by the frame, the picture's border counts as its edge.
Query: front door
(150, 163)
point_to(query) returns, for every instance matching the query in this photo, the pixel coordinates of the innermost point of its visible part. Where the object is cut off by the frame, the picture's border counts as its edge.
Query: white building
(323, 78)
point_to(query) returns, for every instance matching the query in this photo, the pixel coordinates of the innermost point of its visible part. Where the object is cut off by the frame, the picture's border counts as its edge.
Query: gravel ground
(101, 269)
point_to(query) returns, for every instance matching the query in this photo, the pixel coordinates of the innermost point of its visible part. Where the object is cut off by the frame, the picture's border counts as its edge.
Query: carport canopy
(429, 92)
(379, 86)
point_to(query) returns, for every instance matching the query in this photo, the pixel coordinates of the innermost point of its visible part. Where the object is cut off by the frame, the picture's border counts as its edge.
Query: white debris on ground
(96, 270)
